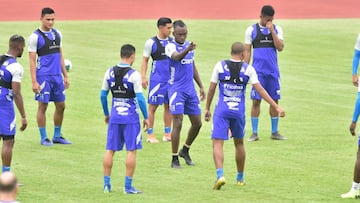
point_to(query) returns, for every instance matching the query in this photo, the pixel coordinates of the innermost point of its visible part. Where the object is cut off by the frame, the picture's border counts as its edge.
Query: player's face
(265, 19)
(166, 30)
(180, 34)
(21, 49)
(48, 21)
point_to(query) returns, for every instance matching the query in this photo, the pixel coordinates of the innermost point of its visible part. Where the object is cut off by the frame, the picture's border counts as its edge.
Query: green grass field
(314, 165)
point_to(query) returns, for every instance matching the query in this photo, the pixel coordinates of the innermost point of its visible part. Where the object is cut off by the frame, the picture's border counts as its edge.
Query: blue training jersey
(48, 50)
(232, 81)
(160, 68)
(6, 79)
(182, 72)
(264, 51)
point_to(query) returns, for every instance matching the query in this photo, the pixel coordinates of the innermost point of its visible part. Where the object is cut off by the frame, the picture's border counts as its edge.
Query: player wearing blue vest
(159, 77)
(232, 77)
(266, 39)
(354, 191)
(182, 93)
(123, 121)
(48, 75)
(11, 73)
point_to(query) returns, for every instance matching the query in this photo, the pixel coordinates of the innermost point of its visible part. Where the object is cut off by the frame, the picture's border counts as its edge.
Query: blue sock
(128, 182)
(274, 124)
(5, 168)
(107, 180)
(150, 131)
(57, 131)
(254, 124)
(219, 172)
(42, 133)
(167, 129)
(240, 176)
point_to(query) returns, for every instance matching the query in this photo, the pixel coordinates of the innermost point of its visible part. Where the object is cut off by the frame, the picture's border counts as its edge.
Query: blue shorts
(184, 103)
(271, 84)
(51, 89)
(7, 118)
(221, 125)
(158, 93)
(120, 134)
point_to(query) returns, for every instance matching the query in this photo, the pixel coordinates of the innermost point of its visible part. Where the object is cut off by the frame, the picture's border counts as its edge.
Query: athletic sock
(42, 133)
(150, 131)
(219, 173)
(240, 176)
(255, 124)
(5, 168)
(128, 182)
(106, 180)
(274, 124)
(167, 130)
(57, 131)
(185, 148)
(355, 186)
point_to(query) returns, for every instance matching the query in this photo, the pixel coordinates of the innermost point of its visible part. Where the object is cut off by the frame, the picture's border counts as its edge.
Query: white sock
(355, 186)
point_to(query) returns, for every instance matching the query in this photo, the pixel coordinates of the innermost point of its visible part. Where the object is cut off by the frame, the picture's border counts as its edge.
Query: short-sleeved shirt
(10, 71)
(357, 43)
(264, 58)
(124, 110)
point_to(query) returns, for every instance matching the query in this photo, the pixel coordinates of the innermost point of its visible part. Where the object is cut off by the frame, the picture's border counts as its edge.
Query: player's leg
(41, 121)
(167, 123)
(6, 152)
(107, 166)
(150, 132)
(240, 160)
(175, 139)
(57, 95)
(354, 191)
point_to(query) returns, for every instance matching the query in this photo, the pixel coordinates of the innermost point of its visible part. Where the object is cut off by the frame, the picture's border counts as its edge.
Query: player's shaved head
(237, 48)
(8, 182)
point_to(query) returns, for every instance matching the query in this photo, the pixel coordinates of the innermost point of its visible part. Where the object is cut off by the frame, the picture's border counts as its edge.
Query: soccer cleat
(61, 140)
(352, 194)
(240, 183)
(175, 164)
(152, 139)
(107, 188)
(167, 137)
(131, 190)
(277, 136)
(219, 183)
(253, 137)
(187, 158)
(46, 142)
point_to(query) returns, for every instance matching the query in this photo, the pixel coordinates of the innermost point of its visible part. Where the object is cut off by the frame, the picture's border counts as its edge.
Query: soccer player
(48, 75)
(182, 93)
(354, 191)
(232, 77)
(11, 73)
(8, 187)
(267, 39)
(123, 121)
(159, 77)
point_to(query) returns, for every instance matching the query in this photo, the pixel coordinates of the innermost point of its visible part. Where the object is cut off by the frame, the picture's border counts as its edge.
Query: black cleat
(187, 158)
(175, 164)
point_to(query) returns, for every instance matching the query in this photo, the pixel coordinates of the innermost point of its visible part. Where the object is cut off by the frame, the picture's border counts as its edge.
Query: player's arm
(32, 62)
(63, 70)
(212, 87)
(247, 53)
(18, 99)
(355, 115)
(171, 51)
(268, 99)
(103, 97)
(197, 79)
(355, 65)
(136, 79)
(144, 65)
(277, 37)
(248, 42)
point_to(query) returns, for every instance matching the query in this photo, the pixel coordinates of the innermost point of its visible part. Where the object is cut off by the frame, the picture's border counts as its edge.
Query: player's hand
(202, 94)
(23, 124)
(192, 46)
(352, 128)
(66, 83)
(145, 125)
(355, 80)
(207, 115)
(144, 83)
(107, 118)
(36, 87)
(280, 111)
(270, 26)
